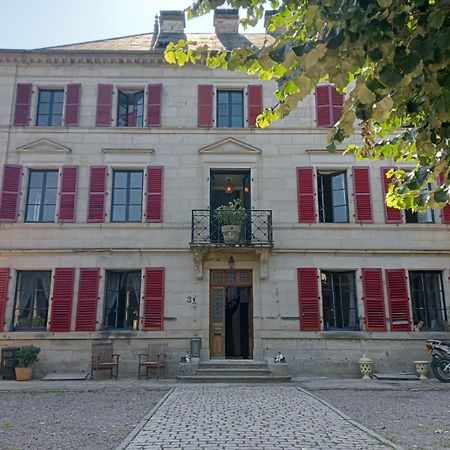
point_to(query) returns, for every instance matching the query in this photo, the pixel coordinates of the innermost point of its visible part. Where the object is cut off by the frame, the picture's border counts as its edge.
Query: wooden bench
(103, 358)
(155, 358)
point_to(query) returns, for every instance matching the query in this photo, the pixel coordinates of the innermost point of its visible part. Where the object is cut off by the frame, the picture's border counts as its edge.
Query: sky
(28, 24)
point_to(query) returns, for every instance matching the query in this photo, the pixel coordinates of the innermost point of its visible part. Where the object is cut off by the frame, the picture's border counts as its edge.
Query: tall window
(123, 291)
(31, 301)
(50, 107)
(41, 198)
(130, 109)
(339, 300)
(426, 216)
(230, 109)
(427, 298)
(127, 196)
(333, 203)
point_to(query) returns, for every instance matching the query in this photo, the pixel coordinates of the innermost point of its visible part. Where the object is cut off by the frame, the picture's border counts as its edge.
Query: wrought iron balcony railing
(255, 231)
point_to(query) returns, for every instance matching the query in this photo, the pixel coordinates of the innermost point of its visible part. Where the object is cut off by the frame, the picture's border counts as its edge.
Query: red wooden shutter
(255, 103)
(398, 300)
(23, 104)
(154, 299)
(308, 299)
(154, 100)
(372, 280)
(104, 105)
(205, 105)
(68, 194)
(9, 196)
(392, 215)
(97, 194)
(445, 211)
(154, 207)
(363, 198)
(87, 300)
(305, 192)
(72, 107)
(337, 103)
(323, 106)
(62, 299)
(4, 283)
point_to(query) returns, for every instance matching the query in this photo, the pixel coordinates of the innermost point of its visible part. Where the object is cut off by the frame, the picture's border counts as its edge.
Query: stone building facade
(112, 165)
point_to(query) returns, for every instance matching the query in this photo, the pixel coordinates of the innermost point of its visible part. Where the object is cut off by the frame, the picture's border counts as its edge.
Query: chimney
(268, 15)
(171, 22)
(226, 21)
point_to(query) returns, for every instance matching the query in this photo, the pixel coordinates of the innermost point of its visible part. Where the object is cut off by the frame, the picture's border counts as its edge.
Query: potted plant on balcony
(26, 357)
(231, 217)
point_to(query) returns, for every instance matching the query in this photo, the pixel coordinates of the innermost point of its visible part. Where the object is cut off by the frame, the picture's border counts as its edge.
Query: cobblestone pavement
(245, 417)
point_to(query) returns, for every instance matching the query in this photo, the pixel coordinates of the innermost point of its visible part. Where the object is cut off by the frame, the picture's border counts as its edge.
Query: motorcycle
(440, 365)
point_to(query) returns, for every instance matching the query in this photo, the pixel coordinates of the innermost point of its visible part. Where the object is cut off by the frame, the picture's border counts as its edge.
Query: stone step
(237, 379)
(233, 364)
(233, 372)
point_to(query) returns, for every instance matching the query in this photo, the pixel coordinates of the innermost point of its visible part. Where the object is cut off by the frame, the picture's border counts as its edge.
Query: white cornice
(43, 146)
(229, 146)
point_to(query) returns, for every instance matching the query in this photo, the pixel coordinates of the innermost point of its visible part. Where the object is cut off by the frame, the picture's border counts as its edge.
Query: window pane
(120, 179)
(136, 196)
(120, 196)
(236, 122)
(118, 214)
(340, 214)
(48, 214)
(222, 96)
(32, 213)
(339, 198)
(50, 197)
(136, 179)
(44, 108)
(36, 179)
(56, 120)
(58, 97)
(222, 110)
(338, 181)
(44, 96)
(34, 196)
(135, 213)
(236, 97)
(52, 179)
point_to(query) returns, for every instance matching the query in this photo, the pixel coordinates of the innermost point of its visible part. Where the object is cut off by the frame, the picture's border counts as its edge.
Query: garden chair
(155, 358)
(103, 358)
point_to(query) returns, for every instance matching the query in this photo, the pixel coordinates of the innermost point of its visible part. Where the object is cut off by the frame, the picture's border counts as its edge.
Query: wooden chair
(103, 358)
(155, 358)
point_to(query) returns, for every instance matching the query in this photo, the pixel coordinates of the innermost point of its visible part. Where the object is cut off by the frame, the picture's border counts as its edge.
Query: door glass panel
(217, 305)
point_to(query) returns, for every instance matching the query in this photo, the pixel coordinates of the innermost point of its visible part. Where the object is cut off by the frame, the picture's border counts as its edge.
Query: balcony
(255, 232)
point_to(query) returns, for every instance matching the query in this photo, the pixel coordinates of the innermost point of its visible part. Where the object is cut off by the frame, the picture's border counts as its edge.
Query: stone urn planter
(422, 369)
(366, 367)
(231, 217)
(231, 233)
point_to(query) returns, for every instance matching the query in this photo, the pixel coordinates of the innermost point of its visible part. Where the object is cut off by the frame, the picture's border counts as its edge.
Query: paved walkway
(249, 417)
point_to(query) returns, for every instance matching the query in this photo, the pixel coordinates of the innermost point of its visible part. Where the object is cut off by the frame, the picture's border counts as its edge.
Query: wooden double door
(231, 314)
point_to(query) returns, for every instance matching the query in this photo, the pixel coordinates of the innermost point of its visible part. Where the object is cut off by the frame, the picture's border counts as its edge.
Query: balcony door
(226, 186)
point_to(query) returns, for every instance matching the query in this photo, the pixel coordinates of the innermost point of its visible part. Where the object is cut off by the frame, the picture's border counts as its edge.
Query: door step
(230, 371)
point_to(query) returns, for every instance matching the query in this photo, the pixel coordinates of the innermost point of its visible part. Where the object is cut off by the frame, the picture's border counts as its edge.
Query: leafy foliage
(391, 57)
(27, 355)
(232, 214)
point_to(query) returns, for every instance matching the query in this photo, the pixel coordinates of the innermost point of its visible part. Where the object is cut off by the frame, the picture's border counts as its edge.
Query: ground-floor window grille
(339, 300)
(31, 300)
(427, 298)
(123, 291)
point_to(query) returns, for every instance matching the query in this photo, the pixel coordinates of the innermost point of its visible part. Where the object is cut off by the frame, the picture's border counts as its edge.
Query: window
(127, 196)
(339, 300)
(333, 205)
(426, 216)
(31, 301)
(427, 298)
(50, 108)
(230, 109)
(130, 109)
(123, 291)
(41, 199)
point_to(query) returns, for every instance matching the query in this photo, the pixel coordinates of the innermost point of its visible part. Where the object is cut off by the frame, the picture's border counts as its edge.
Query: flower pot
(24, 373)
(231, 233)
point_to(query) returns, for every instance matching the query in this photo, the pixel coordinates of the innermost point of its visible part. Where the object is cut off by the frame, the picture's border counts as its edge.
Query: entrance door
(231, 314)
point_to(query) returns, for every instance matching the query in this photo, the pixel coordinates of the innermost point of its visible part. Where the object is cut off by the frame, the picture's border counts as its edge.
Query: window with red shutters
(154, 100)
(97, 194)
(398, 300)
(104, 105)
(4, 284)
(10, 193)
(154, 298)
(154, 194)
(87, 300)
(306, 197)
(72, 105)
(373, 296)
(363, 198)
(62, 299)
(445, 211)
(392, 215)
(329, 104)
(308, 299)
(255, 103)
(205, 105)
(68, 194)
(23, 104)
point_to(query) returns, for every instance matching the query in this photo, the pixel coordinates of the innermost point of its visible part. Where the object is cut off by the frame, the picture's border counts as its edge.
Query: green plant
(27, 355)
(38, 321)
(232, 214)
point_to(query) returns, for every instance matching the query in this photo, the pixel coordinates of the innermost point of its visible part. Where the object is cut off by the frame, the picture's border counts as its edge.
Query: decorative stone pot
(231, 233)
(422, 369)
(24, 373)
(365, 366)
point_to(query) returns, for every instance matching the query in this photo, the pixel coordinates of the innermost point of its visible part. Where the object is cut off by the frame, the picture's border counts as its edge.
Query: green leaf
(436, 19)
(364, 95)
(390, 76)
(290, 87)
(384, 3)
